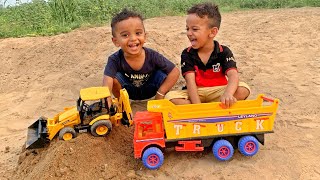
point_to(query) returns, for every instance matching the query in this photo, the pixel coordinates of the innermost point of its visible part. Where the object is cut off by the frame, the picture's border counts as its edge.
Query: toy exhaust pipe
(37, 134)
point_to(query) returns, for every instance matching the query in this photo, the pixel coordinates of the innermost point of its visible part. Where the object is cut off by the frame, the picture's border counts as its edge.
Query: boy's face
(198, 31)
(130, 36)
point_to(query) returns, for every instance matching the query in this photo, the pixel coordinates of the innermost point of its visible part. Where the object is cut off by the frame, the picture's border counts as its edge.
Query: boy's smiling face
(198, 31)
(130, 36)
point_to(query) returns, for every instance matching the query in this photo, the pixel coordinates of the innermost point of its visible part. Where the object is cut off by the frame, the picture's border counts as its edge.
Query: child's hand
(113, 109)
(227, 100)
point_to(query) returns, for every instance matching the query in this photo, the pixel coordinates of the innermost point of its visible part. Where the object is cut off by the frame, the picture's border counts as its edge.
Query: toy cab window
(145, 128)
(95, 105)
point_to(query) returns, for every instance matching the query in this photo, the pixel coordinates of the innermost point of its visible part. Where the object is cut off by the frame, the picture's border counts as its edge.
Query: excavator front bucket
(37, 134)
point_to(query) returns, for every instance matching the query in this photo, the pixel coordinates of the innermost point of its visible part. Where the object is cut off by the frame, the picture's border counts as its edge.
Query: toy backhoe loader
(92, 113)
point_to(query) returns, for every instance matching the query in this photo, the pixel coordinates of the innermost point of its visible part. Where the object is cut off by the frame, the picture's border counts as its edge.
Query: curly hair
(123, 15)
(207, 9)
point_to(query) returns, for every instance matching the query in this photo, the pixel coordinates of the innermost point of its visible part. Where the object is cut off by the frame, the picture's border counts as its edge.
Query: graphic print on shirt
(183, 64)
(138, 79)
(216, 67)
(230, 59)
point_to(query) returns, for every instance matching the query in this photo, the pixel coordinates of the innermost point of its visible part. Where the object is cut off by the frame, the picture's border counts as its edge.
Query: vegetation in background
(58, 16)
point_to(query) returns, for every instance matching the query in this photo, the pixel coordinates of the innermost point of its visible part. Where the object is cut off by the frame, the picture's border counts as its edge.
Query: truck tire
(67, 133)
(101, 128)
(248, 145)
(152, 158)
(222, 150)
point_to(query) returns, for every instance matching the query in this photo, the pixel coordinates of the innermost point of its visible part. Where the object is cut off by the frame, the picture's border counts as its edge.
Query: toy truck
(196, 126)
(92, 113)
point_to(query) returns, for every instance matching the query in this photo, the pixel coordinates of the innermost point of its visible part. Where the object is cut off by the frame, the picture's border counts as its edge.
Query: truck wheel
(67, 133)
(101, 128)
(152, 158)
(248, 145)
(222, 150)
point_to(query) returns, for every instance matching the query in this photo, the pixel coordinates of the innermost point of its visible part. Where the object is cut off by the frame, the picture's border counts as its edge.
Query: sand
(277, 52)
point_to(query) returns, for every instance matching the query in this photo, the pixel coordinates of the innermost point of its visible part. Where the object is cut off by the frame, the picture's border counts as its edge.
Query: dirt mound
(103, 157)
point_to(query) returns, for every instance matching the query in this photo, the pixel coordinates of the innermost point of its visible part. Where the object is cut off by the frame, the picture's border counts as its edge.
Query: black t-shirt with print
(214, 72)
(153, 61)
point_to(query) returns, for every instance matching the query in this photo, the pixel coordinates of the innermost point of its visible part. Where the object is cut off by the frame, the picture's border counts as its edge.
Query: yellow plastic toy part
(94, 93)
(210, 119)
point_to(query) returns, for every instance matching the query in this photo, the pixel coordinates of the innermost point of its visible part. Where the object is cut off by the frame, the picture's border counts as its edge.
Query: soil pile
(85, 157)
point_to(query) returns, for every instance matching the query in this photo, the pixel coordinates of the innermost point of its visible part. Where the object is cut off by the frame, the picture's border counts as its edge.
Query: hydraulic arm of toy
(124, 105)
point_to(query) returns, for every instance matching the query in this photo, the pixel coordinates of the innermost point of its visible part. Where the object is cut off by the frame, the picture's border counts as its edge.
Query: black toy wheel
(101, 128)
(67, 133)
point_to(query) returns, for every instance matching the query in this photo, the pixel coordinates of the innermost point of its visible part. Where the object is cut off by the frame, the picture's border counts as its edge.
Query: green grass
(59, 16)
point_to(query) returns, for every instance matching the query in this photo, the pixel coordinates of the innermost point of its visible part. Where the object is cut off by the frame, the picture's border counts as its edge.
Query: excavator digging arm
(125, 108)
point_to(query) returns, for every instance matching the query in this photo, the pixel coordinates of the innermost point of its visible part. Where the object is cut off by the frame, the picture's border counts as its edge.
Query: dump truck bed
(210, 119)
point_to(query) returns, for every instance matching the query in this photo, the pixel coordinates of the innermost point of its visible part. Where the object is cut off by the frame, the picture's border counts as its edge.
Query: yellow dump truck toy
(195, 126)
(92, 113)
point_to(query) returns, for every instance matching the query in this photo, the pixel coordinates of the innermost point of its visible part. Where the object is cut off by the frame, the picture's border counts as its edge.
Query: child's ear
(115, 42)
(213, 32)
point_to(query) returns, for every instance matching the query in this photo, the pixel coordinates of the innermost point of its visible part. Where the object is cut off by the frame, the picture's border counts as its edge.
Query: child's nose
(189, 33)
(133, 37)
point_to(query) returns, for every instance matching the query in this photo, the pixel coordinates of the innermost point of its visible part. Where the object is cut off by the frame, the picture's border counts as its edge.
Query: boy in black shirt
(209, 68)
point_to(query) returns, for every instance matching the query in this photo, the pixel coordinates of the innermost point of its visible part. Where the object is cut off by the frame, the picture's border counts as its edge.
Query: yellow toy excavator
(92, 113)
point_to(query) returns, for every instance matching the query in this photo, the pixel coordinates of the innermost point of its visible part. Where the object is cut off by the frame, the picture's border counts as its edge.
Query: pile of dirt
(95, 157)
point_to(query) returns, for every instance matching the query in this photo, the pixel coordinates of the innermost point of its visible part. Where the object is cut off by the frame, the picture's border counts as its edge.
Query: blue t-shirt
(153, 61)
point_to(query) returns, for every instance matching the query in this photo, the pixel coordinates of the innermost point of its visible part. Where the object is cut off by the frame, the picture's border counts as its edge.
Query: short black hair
(210, 10)
(123, 15)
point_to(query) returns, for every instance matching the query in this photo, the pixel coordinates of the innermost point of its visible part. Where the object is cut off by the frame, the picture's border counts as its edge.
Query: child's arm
(233, 81)
(192, 88)
(168, 83)
(108, 81)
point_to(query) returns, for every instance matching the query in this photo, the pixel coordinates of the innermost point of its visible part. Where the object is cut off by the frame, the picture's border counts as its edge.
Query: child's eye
(138, 33)
(124, 35)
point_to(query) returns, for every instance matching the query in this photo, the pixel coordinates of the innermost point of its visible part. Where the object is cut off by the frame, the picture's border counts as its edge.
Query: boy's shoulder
(116, 55)
(152, 54)
(150, 51)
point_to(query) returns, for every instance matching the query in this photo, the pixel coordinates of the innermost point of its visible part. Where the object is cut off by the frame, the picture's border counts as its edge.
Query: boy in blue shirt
(143, 72)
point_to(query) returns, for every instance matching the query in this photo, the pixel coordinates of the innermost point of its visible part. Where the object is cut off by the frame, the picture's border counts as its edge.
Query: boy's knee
(242, 93)
(155, 81)
(159, 77)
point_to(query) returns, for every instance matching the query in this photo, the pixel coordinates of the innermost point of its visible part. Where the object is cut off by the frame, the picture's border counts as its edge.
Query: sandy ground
(277, 52)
